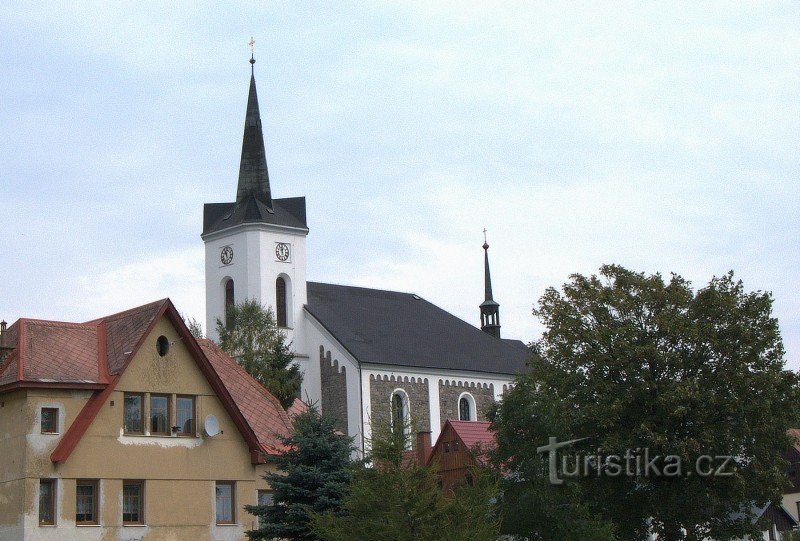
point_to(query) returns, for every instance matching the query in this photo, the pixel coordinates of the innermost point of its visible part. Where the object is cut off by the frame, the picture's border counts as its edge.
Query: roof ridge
(371, 289)
(56, 323)
(129, 311)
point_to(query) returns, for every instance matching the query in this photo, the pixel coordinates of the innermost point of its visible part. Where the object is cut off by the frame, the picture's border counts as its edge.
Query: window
(49, 420)
(226, 502)
(86, 502)
(47, 502)
(280, 302)
(133, 502)
(185, 415)
(264, 498)
(159, 414)
(466, 408)
(162, 346)
(133, 413)
(229, 302)
(400, 416)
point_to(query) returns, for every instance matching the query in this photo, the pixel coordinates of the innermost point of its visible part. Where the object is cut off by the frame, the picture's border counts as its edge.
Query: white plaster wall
(317, 336)
(254, 270)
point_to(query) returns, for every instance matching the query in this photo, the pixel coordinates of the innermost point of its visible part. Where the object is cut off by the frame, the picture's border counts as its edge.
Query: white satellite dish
(211, 426)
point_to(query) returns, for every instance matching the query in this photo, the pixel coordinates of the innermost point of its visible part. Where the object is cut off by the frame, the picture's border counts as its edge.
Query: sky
(662, 136)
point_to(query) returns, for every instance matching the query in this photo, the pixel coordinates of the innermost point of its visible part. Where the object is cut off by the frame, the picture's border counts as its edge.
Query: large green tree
(254, 339)
(399, 500)
(638, 364)
(311, 477)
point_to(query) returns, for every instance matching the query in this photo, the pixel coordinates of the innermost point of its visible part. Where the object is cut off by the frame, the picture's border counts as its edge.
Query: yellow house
(128, 428)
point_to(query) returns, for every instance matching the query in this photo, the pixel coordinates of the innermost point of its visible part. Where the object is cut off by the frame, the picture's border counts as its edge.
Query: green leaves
(259, 346)
(632, 362)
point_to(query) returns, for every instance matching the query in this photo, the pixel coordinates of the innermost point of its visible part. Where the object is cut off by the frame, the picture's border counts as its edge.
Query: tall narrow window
(264, 499)
(86, 502)
(400, 417)
(47, 502)
(133, 502)
(159, 414)
(226, 502)
(229, 302)
(134, 413)
(464, 409)
(49, 420)
(185, 415)
(280, 301)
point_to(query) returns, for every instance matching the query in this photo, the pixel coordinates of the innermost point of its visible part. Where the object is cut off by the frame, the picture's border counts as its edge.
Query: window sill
(50, 433)
(133, 525)
(227, 523)
(87, 525)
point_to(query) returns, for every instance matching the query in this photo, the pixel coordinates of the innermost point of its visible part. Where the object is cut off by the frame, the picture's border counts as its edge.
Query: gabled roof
(95, 354)
(391, 328)
(475, 436)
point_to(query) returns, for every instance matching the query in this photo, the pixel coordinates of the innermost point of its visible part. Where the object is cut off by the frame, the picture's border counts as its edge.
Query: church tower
(490, 310)
(255, 247)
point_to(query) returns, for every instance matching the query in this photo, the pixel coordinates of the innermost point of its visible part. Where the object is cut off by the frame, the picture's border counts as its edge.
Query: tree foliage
(634, 362)
(254, 339)
(311, 477)
(399, 500)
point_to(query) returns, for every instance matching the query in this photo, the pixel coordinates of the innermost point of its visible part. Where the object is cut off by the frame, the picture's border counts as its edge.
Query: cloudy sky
(661, 136)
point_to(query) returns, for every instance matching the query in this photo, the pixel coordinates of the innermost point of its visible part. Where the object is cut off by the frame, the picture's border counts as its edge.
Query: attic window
(162, 345)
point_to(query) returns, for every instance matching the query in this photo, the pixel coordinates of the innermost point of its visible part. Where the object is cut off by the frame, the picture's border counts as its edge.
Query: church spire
(490, 310)
(253, 175)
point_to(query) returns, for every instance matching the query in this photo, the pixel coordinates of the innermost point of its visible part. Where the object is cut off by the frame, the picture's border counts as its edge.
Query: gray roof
(290, 211)
(391, 328)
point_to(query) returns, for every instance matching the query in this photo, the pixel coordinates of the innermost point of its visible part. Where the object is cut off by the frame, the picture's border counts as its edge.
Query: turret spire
(253, 174)
(490, 310)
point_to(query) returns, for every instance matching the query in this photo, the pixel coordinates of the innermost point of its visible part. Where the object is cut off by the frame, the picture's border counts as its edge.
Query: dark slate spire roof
(254, 202)
(253, 174)
(490, 309)
(402, 329)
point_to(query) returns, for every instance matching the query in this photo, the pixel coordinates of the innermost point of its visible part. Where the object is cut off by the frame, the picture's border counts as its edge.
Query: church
(368, 355)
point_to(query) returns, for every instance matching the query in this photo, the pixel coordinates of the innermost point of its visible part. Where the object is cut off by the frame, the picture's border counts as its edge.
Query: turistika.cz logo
(639, 462)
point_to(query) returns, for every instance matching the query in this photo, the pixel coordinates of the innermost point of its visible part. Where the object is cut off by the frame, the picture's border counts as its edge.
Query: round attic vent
(162, 345)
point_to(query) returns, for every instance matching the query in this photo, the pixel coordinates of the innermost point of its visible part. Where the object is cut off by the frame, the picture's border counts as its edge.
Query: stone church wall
(381, 389)
(334, 389)
(450, 391)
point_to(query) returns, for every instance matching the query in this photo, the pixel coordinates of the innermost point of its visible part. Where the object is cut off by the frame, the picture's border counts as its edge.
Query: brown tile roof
(95, 354)
(476, 436)
(263, 412)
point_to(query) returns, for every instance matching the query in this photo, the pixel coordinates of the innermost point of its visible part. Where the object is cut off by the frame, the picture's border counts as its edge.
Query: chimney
(423, 447)
(3, 333)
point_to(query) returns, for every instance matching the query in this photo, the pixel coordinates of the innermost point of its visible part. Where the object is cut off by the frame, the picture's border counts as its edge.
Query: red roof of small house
(297, 407)
(476, 436)
(93, 355)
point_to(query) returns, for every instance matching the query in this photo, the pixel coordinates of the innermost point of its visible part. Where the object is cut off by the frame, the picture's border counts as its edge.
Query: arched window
(466, 408)
(280, 302)
(229, 302)
(400, 416)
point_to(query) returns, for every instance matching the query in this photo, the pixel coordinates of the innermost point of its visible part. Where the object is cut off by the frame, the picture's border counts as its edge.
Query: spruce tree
(311, 477)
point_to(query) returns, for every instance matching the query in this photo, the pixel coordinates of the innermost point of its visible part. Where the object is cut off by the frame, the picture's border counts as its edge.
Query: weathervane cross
(484, 235)
(251, 43)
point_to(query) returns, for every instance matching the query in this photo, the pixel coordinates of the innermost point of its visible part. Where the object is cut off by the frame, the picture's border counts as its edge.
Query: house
(126, 427)
(367, 355)
(462, 446)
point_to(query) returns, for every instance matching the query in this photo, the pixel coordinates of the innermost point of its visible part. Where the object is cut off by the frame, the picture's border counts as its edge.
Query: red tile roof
(263, 412)
(476, 436)
(95, 354)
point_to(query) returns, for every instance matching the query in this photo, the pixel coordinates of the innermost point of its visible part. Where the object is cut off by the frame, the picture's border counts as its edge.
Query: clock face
(226, 255)
(282, 251)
